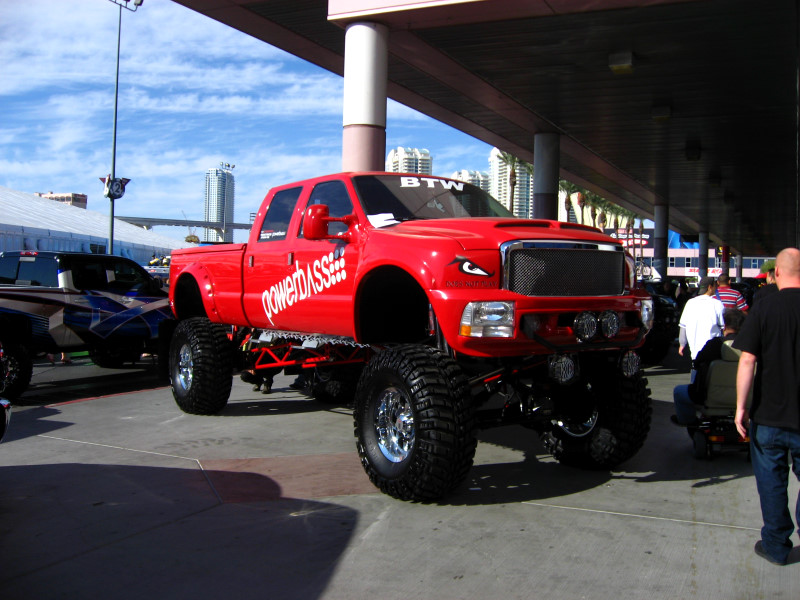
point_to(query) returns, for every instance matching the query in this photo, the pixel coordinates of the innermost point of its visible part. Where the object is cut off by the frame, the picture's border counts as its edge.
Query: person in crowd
(767, 289)
(687, 398)
(770, 365)
(730, 297)
(681, 294)
(701, 319)
(65, 358)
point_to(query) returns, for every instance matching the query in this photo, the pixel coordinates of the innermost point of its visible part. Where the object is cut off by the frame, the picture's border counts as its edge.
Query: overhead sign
(630, 238)
(712, 271)
(114, 188)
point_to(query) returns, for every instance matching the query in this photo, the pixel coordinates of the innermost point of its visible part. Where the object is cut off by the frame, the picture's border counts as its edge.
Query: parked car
(57, 302)
(665, 329)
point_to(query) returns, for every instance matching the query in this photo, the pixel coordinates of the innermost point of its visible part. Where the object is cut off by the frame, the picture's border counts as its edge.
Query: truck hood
(486, 233)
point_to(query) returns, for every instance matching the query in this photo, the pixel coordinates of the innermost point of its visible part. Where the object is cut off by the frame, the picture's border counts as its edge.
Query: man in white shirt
(701, 319)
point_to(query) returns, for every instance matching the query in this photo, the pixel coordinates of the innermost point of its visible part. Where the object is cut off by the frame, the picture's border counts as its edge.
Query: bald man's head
(787, 268)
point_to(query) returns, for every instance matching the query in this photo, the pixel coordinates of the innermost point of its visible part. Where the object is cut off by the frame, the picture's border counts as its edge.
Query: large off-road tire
(414, 423)
(200, 366)
(16, 370)
(615, 429)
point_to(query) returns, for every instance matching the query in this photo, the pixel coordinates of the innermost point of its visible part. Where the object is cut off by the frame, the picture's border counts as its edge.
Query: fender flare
(206, 288)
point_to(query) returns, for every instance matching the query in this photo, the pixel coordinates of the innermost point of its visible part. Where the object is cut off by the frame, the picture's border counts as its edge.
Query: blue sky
(193, 93)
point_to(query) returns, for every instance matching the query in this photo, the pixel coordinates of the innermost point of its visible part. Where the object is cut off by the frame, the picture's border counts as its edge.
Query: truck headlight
(647, 314)
(487, 319)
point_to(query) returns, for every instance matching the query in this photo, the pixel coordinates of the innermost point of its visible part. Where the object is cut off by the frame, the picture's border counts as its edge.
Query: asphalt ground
(107, 490)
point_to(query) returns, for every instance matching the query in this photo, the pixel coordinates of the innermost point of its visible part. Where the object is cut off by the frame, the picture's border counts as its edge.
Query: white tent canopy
(29, 222)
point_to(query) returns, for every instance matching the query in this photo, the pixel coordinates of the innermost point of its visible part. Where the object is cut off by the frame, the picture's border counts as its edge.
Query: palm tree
(569, 189)
(600, 207)
(604, 208)
(512, 162)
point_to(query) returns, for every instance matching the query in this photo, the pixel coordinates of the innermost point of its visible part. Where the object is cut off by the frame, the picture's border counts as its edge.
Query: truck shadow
(31, 422)
(527, 480)
(82, 379)
(134, 529)
(277, 406)
(666, 457)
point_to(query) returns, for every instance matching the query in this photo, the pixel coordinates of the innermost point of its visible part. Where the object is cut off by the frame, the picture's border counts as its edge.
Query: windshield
(390, 199)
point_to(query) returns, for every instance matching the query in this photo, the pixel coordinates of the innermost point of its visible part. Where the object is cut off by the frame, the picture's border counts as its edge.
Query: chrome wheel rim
(394, 425)
(185, 367)
(577, 428)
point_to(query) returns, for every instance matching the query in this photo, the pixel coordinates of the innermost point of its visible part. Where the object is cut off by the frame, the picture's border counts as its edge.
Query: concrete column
(739, 266)
(725, 262)
(546, 160)
(660, 250)
(702, 255)
(366, 63)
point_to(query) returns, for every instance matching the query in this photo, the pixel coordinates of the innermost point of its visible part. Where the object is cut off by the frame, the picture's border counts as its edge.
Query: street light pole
(112, 188)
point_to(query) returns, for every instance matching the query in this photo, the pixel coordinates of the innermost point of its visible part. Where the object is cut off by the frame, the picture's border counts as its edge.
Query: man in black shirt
(770, 338)
(766, 290)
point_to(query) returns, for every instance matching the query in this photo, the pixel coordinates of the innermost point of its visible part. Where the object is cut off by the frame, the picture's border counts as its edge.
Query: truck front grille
(548, 269)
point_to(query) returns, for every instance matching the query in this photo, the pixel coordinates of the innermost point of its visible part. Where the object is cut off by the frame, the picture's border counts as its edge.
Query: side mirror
(317, 219)
(315, 223)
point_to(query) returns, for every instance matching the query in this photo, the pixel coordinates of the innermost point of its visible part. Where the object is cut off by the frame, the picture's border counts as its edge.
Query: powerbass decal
(306, 281)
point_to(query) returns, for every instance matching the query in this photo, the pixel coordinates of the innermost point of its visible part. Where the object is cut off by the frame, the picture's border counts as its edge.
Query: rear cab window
(30, 270)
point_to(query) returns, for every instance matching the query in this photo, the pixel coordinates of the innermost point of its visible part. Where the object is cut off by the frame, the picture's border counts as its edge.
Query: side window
(89, 275)
(334, 195)
(38, 271)
(279, 213)
(127, 277)
(8, 269)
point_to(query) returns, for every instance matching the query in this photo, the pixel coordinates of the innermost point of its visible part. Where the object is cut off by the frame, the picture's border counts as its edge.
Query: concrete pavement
(116, 493)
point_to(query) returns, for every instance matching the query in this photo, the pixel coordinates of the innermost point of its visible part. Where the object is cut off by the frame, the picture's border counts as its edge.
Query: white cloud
(193, 92)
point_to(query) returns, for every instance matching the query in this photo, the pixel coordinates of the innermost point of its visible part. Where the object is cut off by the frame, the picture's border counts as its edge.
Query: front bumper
(542, 325)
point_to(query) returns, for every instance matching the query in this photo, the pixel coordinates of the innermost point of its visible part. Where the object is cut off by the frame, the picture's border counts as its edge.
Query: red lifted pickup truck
(426, 304)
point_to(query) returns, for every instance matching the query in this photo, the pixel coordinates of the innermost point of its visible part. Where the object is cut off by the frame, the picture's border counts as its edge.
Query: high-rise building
(409, 160)
(78, 200)
(500, 189)
(477, 178)
(220, 187)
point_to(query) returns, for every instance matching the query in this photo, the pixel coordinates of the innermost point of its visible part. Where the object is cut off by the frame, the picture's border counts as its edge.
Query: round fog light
(609, 324)
(562, 368)
(585, 326)
(630, 364)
